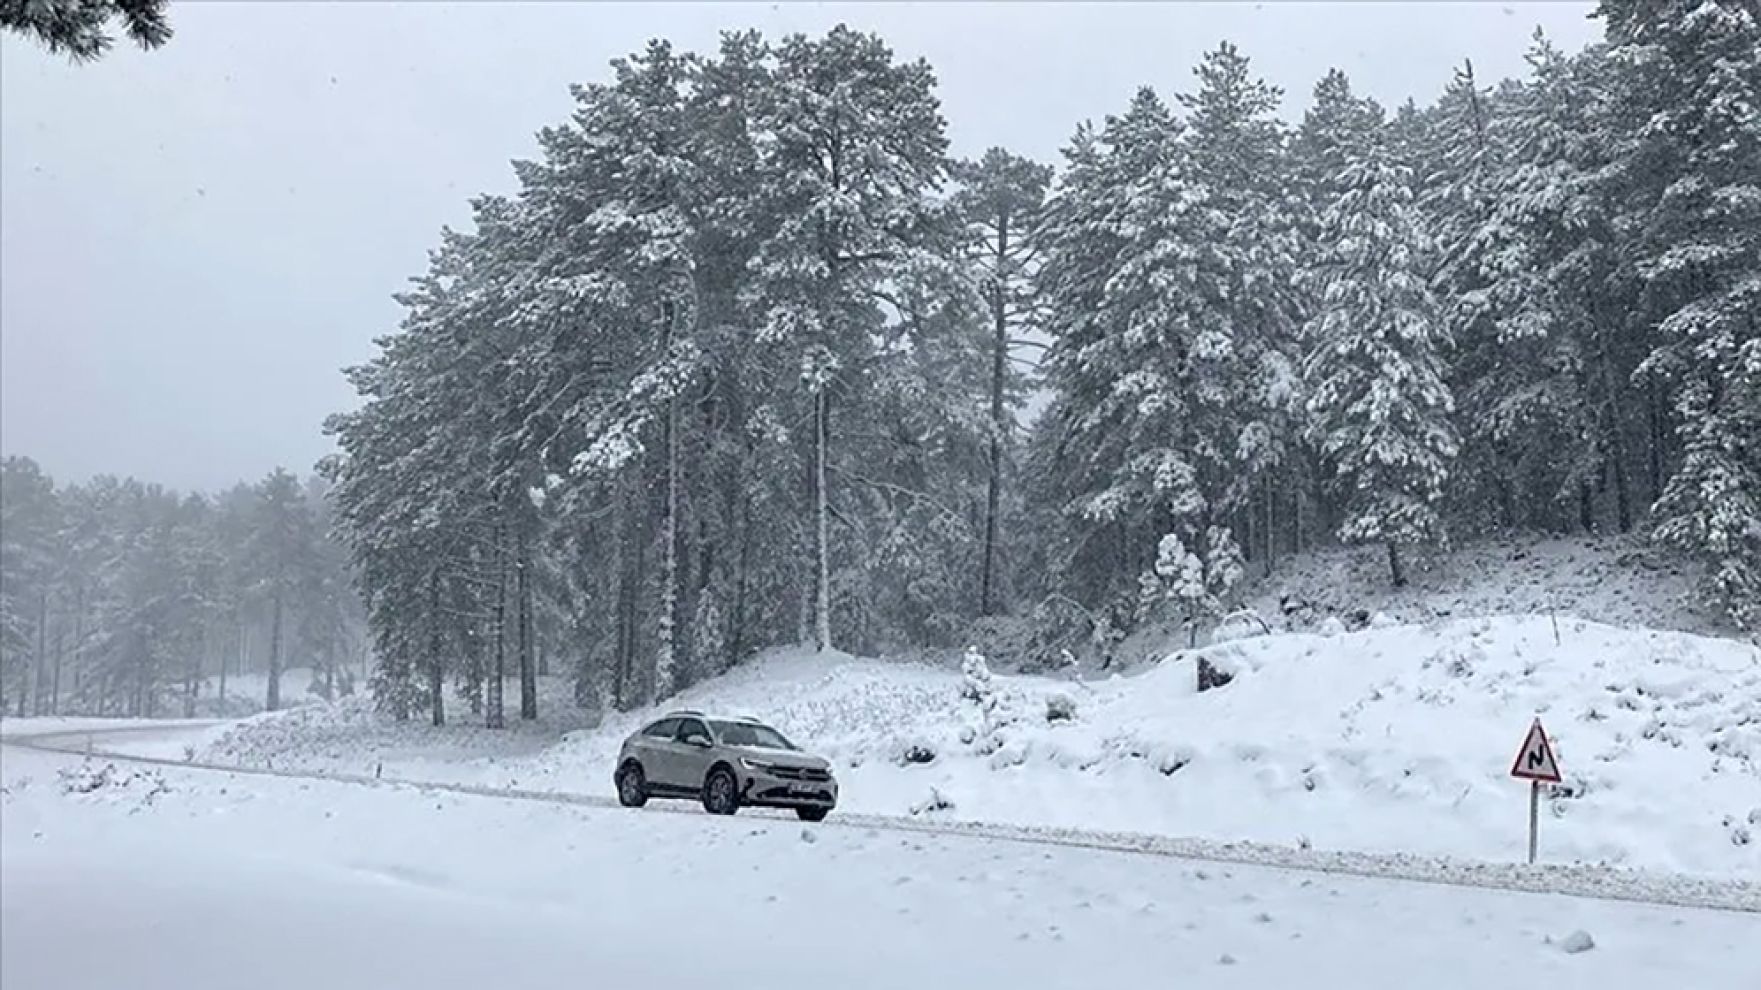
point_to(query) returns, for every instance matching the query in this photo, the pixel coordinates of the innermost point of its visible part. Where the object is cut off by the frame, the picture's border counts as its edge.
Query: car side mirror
(701, 742)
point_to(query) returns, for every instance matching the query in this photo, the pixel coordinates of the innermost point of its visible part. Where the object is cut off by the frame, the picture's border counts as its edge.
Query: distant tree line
(124, 598)
(742, 361)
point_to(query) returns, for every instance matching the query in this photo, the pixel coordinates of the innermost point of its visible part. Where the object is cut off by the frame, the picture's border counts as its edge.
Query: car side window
(666, 728)
(690, 728)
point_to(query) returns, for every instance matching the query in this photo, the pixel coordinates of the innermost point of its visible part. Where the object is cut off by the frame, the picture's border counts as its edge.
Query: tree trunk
(1623, 497)
(1394, 569)
(1271, 526)
(60, 652)
(999, 371)
(822, 601)
(40, 661)
(528, 661)
(191, 671)
(1298, 539)
(1615, 446)
(1586, 507)
(737, 639)
(436, 671)
(666, 653)
(493, 716)
(1656, 436)
(274, 700)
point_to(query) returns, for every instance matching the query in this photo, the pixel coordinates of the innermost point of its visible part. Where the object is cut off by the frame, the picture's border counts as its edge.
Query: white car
(726, 762)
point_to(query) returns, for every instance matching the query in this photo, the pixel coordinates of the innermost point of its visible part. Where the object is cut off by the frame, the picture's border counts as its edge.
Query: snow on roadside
(1388, 740)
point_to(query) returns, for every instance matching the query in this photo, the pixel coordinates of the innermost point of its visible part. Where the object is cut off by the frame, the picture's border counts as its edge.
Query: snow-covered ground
(170, 878)
(1621, 580)
(1388, 740)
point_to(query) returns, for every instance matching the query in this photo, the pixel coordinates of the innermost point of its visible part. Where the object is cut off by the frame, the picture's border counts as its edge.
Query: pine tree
(1001, 202)
(1117, 448)
(1378, 406)
(80, 29)
(1247, 276)
(1690, 87)
(858, 144)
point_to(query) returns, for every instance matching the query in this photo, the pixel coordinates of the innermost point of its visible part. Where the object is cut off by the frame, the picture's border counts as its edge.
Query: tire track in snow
(1593, 882)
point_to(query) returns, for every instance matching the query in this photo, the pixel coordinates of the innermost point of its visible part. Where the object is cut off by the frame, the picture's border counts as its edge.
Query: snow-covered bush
(1060, 707)
(916, 752)
(937, 801)
(976, 685)
(1243, 623)
(984, 733)
(104, 780)
(1196, 587)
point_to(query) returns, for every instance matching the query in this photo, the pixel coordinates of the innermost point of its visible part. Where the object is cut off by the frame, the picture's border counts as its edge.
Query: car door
(654, 749)
(695, 750)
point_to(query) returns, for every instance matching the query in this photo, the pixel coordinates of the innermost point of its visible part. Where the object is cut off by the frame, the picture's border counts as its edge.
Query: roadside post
(1535, 763)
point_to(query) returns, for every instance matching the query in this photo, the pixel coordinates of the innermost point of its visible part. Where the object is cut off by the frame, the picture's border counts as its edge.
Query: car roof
(694, 713)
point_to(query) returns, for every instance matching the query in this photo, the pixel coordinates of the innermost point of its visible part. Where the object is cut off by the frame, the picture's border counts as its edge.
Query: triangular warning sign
(1535, 760)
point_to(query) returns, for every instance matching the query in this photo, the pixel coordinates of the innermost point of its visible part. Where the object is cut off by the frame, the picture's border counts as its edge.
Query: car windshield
(750, 734)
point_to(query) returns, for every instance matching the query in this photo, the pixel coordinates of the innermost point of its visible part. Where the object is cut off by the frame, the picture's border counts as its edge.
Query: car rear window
(666, 728)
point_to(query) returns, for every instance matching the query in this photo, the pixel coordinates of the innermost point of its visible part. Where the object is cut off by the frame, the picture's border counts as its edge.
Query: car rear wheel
(721, 793)
(632, 785)
(812, 814)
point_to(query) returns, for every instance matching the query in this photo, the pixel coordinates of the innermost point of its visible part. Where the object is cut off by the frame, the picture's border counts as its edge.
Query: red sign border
(1516, 769)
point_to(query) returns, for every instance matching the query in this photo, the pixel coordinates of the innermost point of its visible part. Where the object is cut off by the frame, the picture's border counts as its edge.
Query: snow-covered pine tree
(1337, 119)
(1249, 310)
(1198, 587)
(1001, 202)
(1689, 83)
(1116, 450)
(80, 29)
(1546, 309)
(29, 523)
(1377, 403)
(856, 145)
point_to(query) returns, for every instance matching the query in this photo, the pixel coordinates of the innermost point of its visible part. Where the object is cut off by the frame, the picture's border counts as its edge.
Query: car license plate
(802, 790)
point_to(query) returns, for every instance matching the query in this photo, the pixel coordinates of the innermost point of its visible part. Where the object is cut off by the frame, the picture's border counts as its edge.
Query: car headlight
(752, 764)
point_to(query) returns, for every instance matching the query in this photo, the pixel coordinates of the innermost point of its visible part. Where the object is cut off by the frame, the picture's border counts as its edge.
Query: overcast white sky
(194, 241)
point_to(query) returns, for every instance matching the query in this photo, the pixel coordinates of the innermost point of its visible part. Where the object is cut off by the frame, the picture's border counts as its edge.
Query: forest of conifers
(749, 359)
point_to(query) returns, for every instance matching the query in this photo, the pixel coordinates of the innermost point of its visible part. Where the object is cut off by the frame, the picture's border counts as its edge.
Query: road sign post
(1536, 764)
(1534, 818)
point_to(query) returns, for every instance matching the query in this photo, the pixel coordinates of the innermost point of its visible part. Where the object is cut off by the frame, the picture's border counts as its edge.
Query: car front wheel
(721, 793)
(632, 785)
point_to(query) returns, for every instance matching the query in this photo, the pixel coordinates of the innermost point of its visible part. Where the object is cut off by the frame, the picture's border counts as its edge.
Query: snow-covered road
(224, 880)
(151, 744)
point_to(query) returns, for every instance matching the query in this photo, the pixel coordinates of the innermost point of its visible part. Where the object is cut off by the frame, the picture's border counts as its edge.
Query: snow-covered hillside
(1622, 581)
(1390, 739)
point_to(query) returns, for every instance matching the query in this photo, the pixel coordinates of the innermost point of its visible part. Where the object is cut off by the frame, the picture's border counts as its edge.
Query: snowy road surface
(163, 878)
(148, 744)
